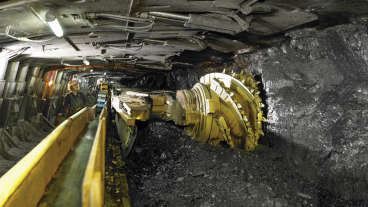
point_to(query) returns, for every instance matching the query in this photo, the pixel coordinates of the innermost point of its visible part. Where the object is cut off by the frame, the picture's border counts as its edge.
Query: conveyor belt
(66, 169)
(26, 182)
(65, 188)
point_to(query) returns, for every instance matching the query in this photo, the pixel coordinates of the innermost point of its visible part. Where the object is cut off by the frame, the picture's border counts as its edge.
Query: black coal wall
(317, 104)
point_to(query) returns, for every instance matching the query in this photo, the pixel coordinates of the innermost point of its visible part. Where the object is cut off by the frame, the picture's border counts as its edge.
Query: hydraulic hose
(125, 18)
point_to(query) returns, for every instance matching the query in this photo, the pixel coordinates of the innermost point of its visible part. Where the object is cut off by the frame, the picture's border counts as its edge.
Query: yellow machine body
(219, 108)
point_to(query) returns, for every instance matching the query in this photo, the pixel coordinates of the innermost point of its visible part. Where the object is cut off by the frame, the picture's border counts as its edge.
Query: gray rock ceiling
(157, 32)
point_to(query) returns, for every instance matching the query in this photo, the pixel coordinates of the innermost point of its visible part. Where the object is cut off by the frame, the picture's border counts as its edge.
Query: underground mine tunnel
(151, 103)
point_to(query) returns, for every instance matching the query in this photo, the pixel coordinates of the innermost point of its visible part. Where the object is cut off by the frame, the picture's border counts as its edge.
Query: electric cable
(143, 27)
(125, 60)
(24, 39)
(131, 29)
(125, 47)
(130, 19)
(19, 53)
(14, 54)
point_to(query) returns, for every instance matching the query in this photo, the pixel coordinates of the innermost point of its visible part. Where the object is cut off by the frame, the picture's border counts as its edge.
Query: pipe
(40, 87)
(31, 85)
(54, 76)
(1, 102)
(183, 45)
(194, 26)
(170, 15)
(168, 20)
(22, 73)
(51, 83)
(57, 89)
(2, 85)
(205, 20)
(31, 80)
(11, 71)
(52, 91)
(20, 88)
(46, 76)
(40, 73)
(59, 77)
(9, 89)
(65, 76)
(152, 41)
(33, 71)
(3, 65)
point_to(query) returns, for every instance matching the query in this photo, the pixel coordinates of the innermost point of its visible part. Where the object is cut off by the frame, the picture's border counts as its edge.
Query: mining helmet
(73, 84)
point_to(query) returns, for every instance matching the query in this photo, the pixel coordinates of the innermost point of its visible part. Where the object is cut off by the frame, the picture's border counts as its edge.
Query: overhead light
(54, 24)
(85, 61)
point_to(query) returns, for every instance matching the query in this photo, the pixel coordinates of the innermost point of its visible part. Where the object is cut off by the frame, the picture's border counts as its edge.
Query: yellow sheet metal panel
(92, 112)
(87, 191)
(25, 183)
(158, 108)
(103, 114)
(79, 121)
(125, 189)
(158, 100)
(127, 118)
(130, 121)
(95, 191)
(140, 115)
(93, 187)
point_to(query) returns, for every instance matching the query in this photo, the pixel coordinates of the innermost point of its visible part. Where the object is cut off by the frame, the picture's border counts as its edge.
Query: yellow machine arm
(219, 108)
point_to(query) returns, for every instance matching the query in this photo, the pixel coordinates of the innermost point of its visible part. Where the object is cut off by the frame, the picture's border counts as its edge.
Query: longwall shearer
(221, 108)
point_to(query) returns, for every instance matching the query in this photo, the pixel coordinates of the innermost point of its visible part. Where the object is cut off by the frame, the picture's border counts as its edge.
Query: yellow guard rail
(25, 183)
(93, 187)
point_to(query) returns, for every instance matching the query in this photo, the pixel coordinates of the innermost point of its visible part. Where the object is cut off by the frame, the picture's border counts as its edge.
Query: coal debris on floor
(174, 170)
(116, 187)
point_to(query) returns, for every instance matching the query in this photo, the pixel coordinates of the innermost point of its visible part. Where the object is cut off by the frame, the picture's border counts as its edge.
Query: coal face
(316, 97)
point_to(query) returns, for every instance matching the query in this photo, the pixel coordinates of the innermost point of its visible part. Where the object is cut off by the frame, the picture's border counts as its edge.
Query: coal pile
(173, 170)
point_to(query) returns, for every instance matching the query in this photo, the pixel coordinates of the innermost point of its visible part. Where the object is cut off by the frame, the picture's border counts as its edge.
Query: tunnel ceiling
(135, 37)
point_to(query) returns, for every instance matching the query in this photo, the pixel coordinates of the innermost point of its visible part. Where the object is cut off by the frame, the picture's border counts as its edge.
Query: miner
(74, 100)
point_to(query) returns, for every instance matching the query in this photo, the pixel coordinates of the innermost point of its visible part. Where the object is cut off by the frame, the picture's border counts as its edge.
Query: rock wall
(317, 104)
